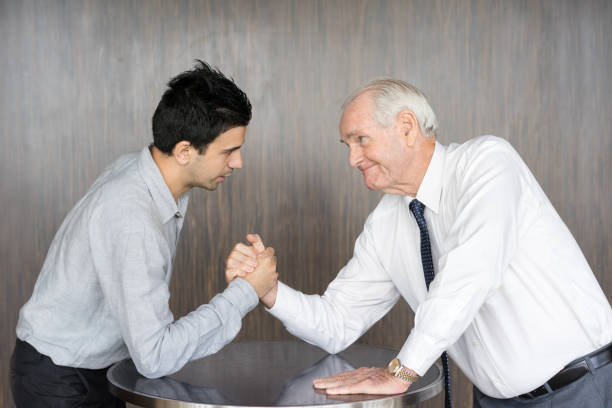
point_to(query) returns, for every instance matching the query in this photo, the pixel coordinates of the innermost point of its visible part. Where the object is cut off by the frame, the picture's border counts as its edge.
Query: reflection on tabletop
(296, 391)
(169, 388)
(299, 389)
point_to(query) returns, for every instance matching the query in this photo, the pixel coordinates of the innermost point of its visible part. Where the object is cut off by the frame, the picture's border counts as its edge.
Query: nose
(355, 155)
(235, 160)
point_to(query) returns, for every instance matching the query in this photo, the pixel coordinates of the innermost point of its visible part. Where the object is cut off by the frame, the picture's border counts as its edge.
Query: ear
(409, 126)
(182, 152)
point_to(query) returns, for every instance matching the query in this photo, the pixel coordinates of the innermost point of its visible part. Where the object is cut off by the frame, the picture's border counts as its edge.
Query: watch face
(394, 365)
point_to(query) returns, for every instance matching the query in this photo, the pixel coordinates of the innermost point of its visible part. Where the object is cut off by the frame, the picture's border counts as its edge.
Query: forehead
(230, 138)
(357, 116)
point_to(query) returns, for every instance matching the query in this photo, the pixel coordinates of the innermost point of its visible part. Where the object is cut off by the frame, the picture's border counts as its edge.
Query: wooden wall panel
(80, 80)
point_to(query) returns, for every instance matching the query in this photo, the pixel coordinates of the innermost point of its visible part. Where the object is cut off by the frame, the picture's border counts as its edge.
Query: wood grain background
(80, 79)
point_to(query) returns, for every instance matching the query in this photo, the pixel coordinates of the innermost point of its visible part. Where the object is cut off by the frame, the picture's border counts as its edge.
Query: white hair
(391, 96)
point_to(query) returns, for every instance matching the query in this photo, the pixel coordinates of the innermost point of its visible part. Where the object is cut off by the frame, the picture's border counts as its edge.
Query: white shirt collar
(430, 190)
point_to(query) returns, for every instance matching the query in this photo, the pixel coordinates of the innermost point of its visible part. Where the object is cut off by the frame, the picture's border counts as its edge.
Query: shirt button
(178, 214)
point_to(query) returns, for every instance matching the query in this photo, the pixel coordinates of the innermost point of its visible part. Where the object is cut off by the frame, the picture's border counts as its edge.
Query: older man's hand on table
(365, 380)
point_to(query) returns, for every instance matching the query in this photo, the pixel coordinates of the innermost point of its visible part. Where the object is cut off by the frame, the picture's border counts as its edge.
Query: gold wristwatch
(396, 369)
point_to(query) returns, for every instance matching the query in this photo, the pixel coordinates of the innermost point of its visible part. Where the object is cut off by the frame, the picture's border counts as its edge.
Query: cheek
(219, 164)
(397, 159)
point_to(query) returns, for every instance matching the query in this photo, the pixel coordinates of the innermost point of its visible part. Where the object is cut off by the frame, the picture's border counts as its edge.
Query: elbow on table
(152, 369)
(326, 343)
(336, 344)
(334, 348)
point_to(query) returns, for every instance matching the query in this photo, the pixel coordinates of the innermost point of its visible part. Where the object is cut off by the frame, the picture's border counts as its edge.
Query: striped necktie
(417, 208)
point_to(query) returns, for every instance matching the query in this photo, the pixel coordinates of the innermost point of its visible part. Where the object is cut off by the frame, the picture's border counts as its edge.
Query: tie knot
(417, 208)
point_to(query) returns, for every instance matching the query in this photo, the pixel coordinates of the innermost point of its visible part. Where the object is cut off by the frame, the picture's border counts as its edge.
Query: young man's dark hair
(198, 106)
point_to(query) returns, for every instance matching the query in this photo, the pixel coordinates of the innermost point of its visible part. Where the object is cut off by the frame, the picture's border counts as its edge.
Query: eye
(363, 140)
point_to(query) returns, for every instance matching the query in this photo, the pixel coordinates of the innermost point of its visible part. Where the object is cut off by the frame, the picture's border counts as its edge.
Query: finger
(349, 377)
(256, 241)
(245, 250)
(362, 371)
(339, 382)
(239, 258)
(378, 382)
(321, 382)
(232, 264)
(267, 257)
(361, 387)
(268, 252)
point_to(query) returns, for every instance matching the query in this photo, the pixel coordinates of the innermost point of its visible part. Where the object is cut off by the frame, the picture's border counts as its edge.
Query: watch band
(396, 369)
(405, 375)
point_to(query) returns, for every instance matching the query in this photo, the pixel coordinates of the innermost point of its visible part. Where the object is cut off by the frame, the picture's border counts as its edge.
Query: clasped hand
(257, 265)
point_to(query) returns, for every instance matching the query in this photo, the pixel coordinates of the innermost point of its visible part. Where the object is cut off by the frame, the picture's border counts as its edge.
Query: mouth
(221, 179)
(366, 167)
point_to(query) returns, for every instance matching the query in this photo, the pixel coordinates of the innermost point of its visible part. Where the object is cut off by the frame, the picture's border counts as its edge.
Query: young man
(102, 294)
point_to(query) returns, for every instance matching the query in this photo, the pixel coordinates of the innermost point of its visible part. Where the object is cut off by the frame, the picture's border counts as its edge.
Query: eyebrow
(231, 149)
(350, 135)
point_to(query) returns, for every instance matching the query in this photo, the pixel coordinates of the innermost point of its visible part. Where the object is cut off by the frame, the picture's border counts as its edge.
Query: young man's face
(222, 155)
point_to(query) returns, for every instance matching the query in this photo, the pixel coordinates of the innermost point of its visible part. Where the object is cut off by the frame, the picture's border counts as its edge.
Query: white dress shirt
(513, 299)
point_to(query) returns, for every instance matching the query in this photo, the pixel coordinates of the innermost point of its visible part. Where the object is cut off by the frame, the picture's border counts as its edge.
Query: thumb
(255, 240)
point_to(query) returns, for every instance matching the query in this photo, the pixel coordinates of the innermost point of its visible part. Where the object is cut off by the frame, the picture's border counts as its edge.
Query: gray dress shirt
(102, 294)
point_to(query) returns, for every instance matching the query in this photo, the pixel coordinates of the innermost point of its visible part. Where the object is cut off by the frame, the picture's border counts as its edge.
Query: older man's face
(379, 153)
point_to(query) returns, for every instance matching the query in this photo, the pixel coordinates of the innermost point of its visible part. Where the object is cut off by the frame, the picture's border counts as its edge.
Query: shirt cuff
(418, 353)
(282, 309)
(242, 295)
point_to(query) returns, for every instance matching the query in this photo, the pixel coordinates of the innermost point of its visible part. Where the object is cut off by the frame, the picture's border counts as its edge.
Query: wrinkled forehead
(356, 113)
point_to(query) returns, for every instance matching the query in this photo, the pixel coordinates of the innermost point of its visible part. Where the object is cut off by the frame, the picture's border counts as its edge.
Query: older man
(513, 301)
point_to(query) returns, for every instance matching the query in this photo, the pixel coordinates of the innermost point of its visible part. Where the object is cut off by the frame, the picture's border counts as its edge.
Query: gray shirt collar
(162, 197)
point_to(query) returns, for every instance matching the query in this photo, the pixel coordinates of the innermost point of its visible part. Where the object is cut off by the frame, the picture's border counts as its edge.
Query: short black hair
(197, 107)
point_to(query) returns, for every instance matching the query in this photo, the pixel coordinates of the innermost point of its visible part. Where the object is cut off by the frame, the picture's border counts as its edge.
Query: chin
(212, 187)
(371, 185)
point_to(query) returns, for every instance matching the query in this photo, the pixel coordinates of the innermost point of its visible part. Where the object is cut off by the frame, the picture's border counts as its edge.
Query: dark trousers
(594, 390)
(37, 382)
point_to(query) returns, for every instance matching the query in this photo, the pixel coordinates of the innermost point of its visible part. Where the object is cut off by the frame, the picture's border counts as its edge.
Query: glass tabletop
(265, 374)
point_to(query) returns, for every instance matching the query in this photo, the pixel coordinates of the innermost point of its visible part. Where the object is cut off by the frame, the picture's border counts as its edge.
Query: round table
(265, 374)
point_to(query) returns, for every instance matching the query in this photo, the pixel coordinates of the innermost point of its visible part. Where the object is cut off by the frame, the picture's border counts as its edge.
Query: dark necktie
(418, 209)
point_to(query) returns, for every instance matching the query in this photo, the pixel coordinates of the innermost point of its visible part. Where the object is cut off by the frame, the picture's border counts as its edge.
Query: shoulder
(480, 146)
(482, 153)
(120, 197)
